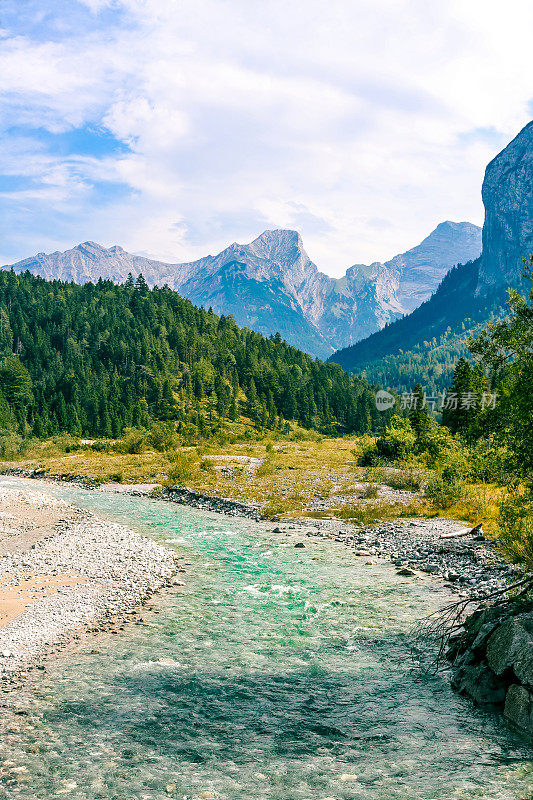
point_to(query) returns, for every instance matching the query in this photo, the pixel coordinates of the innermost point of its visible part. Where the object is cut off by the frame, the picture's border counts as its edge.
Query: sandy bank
(62, 570)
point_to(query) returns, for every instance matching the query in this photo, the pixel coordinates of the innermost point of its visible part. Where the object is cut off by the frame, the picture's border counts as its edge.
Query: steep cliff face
(508, 198)
(272, 285)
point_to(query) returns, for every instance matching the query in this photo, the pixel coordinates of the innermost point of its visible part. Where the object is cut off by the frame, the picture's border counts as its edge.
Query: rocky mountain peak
(281, 246)
(450, 229)
(420, 270)
(90, 248)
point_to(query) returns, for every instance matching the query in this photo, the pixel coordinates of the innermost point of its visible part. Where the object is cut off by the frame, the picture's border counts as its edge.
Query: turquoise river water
(275, 672)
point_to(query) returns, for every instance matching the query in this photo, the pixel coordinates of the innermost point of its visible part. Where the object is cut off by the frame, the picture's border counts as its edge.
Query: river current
(274, 672)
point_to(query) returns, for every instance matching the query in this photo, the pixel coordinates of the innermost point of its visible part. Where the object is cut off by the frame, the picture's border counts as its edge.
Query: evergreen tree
(462, 406)
(418, 414)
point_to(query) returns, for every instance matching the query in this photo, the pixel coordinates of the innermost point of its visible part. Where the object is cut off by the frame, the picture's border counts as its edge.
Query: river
(274, 672)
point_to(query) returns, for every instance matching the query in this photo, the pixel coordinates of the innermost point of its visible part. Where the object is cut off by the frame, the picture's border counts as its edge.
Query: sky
(175, 127)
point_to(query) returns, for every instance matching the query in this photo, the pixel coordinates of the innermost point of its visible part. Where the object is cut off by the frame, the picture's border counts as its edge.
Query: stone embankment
(222, 505)
(492, 661)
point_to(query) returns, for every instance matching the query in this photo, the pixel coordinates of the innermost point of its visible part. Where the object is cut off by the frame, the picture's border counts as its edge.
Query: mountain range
(424, 345)
(271, 285)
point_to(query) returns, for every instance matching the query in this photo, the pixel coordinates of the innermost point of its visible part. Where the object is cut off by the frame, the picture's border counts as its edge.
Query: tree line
(95, 359)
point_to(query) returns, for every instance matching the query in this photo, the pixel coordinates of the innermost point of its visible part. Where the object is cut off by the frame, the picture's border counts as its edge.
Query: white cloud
(329, 117)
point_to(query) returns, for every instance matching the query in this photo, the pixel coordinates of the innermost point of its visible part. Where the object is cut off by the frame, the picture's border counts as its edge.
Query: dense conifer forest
(425, 345)
(95, 359)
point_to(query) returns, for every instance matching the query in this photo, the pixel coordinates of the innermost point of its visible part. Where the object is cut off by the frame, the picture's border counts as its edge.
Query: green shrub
(436, 443)
(163, 436)
(101, 446)
(189, 434)
(396, 444)
(490, 461)
(515, 526)
(67, 443)
(221, 437)
(369, 457)
(410, 479)
(11, 444)
(184, 465)
(306, 435)
(445, 488)
(133, 441)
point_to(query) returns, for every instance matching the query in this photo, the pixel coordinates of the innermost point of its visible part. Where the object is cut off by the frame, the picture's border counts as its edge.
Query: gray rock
(479, 683)
(483, 634)
(518, 708)
(507, 642)
(508, 230)
(523, 666)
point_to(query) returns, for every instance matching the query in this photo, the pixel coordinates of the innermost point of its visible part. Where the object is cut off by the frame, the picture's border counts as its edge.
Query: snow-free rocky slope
(508, 198)
(473, 293)
(271, 285)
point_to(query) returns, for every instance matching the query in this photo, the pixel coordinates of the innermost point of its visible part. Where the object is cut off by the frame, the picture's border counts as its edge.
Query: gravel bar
(469, 564)
(84, 574)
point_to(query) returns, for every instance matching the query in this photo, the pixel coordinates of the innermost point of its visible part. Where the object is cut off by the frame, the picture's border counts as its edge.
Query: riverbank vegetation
(481, 457)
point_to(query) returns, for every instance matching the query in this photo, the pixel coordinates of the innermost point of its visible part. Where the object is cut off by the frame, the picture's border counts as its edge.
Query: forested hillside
(95, 359)
(424, 346)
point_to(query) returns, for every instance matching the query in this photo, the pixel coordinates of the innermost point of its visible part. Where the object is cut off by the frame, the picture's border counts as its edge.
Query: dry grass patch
(366, 514)
(293, 473)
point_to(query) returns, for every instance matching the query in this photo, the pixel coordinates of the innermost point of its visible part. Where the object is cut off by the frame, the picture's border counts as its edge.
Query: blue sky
(174, 127)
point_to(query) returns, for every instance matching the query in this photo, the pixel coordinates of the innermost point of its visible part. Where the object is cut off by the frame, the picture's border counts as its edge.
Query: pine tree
(419, 415)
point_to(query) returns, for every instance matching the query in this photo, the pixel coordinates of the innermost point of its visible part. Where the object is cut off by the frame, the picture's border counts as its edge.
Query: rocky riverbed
(66, 571)
(88, 571)
(446, 549)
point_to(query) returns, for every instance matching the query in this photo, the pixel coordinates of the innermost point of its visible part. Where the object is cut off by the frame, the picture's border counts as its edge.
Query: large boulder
(479, 683)
(510, 641)
(523, 666)
(519, 708)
